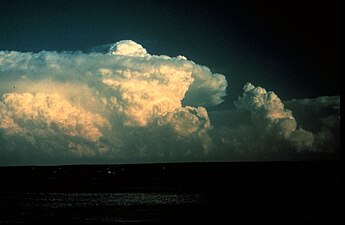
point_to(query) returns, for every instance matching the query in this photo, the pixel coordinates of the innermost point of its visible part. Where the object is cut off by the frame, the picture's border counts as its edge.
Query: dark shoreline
(247, 190)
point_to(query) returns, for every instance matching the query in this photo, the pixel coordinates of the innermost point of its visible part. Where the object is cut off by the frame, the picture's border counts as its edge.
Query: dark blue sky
(290, 47)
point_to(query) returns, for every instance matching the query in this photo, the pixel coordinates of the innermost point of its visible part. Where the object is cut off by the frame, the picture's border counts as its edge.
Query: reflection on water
(61, 200)
(97, 207)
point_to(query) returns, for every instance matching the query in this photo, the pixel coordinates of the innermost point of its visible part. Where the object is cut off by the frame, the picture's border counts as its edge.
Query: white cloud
(127, 48)
(96, 103)
(270, 116)
(126, 105)
(30, 113)
(261, 128)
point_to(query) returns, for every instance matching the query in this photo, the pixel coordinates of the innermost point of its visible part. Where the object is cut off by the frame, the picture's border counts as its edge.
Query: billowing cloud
(127, 48)
(261, 128)
(269, 115)
(126, 105)
(110, 103)
(39, 114)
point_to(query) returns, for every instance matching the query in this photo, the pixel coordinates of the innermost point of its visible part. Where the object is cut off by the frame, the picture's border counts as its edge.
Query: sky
(185, 81)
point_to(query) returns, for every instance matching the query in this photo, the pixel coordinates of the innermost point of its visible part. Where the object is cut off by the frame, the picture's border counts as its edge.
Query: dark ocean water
(101, 207)
(193, 192)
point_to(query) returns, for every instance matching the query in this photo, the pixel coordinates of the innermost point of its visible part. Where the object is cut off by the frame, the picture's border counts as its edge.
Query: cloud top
(127, 48)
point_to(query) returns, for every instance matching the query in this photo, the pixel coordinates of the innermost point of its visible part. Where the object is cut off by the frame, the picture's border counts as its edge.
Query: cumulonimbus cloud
(100, 99)
(268, 114)
(125, 105)
(262, 128)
